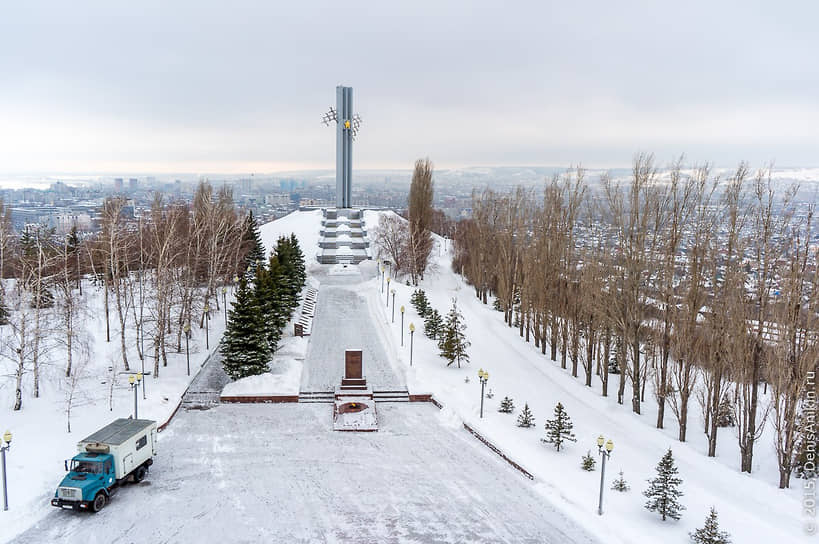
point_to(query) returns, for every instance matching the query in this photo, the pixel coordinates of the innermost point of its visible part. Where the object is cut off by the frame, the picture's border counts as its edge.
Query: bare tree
(420, 218)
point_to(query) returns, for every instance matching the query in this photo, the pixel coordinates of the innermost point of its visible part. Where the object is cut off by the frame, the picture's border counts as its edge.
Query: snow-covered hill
(750, 507)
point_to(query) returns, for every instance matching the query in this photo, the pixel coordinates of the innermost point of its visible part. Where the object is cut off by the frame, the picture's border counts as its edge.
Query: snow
(41, 443)
(283, 379)
(421, 477)
(750, 507)
(279, 473)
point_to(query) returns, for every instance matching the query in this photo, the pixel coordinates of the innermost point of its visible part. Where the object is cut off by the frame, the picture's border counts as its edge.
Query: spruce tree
(559, 429)
(710, 534)
(663, 492)
(266, 293)
(245, 350)
(725, 415)
(588, 462)
(620, 484)
(507, 406)
(252, 241)
(4, 312)
(452, 341)
(433, 324)
(526, 419)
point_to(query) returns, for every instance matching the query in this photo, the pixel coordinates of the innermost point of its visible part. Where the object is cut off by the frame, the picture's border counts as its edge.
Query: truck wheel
(139, 474)
(99, 502)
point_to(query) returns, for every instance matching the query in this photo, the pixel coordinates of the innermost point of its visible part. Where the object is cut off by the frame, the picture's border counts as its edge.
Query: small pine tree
(245, 349)
(526, 419)
(710, 534)
(252, 242)
(4, 312)
(433, 323)
(452, 342)
(725, 417)
(663, 492)
(559, 429)
(420, 302)
(620, 484)
(588, 462)
(507, 406)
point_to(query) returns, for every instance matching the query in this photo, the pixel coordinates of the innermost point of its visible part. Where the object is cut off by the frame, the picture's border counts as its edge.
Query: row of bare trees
(157, 273)
(697, 286)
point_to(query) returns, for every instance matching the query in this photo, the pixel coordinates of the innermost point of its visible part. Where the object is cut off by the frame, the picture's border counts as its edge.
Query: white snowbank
(283, 379)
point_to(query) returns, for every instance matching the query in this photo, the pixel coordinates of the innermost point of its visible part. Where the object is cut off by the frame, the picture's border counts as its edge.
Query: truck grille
(69, 493)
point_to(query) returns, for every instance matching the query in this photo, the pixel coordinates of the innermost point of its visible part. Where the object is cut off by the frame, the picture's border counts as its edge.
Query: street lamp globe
(207, 308)
(412, 327)
(131, 379)
(187, 329)
(609, 446)
(7, 437)
(600, 441)
(139, 376)
(402, 309)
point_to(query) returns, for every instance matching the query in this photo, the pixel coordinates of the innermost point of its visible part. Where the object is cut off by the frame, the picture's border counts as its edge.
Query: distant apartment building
(133, 184)
(118, 185)
(277, 199)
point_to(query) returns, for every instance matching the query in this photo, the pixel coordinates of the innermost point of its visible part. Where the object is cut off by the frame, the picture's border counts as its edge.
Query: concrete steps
(391, 396)
(327, 397)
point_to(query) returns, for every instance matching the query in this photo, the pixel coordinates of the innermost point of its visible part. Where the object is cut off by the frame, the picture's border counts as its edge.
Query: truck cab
(89, 475)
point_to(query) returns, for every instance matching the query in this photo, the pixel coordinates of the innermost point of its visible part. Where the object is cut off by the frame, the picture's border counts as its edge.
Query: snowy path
(278, 473)
(207, 386)
(343, 321)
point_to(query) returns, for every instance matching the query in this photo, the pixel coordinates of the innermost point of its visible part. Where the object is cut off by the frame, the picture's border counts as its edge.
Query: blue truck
(119, 452)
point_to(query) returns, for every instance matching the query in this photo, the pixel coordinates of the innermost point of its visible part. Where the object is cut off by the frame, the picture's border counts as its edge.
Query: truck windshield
(90, 467)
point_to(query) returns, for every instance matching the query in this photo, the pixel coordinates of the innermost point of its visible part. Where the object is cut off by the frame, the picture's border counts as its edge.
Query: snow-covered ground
(750, 507)
(420, 477)
(279, 473)
(41, 441)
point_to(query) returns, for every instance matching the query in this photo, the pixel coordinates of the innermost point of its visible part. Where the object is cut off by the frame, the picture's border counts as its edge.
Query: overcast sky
(239, 86)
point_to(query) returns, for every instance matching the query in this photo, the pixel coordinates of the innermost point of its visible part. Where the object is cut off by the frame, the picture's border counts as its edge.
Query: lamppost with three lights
(606, 453)
(134, 381)
(484, 377)
(4, 445)
(412, 333)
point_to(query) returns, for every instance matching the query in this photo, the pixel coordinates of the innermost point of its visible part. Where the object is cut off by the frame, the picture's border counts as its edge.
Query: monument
(343, 234)
(347, 124)
(354, 406)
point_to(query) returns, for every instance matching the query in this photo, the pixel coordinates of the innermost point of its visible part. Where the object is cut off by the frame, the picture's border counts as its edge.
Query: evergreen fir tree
(663, 492)
(252, 240)
(588, 462)
(433, 324)
(559, 429)
(245, 350)
(4, 312)
(526, 419)
(266, 293)
(507, 406)
(710, 534)
(620, 484)
(420, 302)
(725, 417)
(452, 341)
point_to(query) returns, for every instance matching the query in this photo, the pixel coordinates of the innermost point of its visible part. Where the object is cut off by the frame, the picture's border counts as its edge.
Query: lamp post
(135, 386)
(4, 445)
(483, 376)
(412, 332)
(402, 325)
(388, 291)
(188, 347)
(207, 322)
(224, 301)
(606, 453)
(393, 305)
(382, 278)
